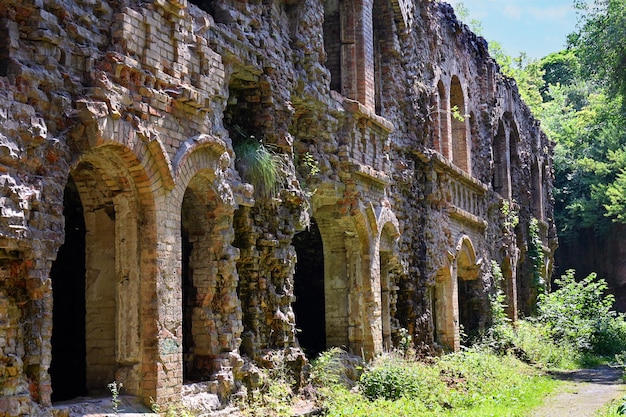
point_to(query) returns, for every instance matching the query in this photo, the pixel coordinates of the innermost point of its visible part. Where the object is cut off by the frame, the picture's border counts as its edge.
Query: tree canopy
(600, 42)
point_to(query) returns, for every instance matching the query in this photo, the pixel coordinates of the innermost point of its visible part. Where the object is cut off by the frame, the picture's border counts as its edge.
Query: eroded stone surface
(397, 135)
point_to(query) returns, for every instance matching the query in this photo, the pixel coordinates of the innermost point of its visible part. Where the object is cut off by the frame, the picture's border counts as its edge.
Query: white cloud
(513, 11)
(550, 13)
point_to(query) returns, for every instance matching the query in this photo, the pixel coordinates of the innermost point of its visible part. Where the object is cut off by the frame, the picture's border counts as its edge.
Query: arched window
(333, 43)
(458, 124)
(349, 42)
(536, 190)
(501, 177)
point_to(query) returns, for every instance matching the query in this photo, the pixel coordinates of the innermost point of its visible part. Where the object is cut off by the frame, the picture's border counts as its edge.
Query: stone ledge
(362, 112)
(466, 217)
(368, 172)
(448, 167)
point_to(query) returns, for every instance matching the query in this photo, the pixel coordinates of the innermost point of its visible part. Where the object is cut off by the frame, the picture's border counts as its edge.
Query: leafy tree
(590, 134)
(560, 68)
(601, 42)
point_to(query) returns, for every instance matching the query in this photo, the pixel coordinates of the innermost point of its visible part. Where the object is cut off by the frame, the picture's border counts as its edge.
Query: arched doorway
(99, 267)
(309, 307)
(199, 282)
(470, 293)
(68, 367)
(388, 288)
(443, 305)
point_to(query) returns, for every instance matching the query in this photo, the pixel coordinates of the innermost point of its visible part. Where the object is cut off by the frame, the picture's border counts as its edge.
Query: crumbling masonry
(134, 247)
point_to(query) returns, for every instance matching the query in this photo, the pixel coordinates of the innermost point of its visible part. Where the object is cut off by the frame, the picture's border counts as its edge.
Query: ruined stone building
(137, 244)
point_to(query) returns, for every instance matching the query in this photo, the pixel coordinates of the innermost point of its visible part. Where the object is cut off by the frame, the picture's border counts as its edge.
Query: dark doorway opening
(309, 306)
(189, 296)
(469, 310)
(68, 366)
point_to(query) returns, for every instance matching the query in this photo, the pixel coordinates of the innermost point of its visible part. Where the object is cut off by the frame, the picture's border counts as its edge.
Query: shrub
(534, 343)
(390, 381)
(392, 378)
(581, 314)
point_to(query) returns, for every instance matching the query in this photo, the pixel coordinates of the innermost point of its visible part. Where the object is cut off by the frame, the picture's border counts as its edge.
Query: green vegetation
(475, 382)
(600, 43)
(535, 253)
(616, 408)
(503, 374)
(578, 94)
(580, 314)
(258, 165)
(115, 389)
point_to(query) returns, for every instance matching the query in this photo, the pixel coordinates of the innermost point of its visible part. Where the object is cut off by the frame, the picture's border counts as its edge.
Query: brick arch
(459, 125)
(202, 222)
(202, 152)
(388, 227)
(119, 280)
(142, 145)
(465, 253)
(388, 264)
(471, 294)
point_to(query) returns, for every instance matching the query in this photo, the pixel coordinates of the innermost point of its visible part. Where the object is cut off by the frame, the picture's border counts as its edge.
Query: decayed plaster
(399, 138)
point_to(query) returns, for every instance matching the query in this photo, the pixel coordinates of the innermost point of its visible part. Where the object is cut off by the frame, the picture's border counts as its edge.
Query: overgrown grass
(475, 382)
(259, 166)
(616, 408)
(503, 375)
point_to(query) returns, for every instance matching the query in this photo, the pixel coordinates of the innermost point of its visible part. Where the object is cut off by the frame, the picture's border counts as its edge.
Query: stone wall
(131, 230)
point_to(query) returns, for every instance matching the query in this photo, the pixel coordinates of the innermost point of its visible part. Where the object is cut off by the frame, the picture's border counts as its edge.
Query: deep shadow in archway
(68, 367)
(189, 295)
(470, 310)
(309, 306)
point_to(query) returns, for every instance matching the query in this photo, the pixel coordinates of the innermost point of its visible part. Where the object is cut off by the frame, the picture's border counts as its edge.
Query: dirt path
(585, 392)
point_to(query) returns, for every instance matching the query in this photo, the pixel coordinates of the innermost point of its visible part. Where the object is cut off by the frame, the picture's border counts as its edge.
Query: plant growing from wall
(536, 255)
(498, 298)
(511, 216)
(258, 165)
(115, 389)
(311, 164)
(456, 114)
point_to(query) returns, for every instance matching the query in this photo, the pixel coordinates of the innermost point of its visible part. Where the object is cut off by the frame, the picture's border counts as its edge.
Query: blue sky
(537, 27)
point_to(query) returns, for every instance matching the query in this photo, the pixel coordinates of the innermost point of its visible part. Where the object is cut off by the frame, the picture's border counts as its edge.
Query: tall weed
(581, 314)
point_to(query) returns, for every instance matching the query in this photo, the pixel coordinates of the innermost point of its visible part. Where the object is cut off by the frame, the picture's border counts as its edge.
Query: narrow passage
(586, 391)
